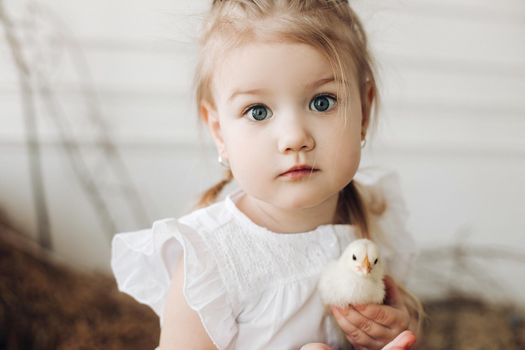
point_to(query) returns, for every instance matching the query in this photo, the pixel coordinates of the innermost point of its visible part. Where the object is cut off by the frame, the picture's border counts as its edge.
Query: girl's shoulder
(208, 218)
(148, 257)
(143, 262)
(381, 190)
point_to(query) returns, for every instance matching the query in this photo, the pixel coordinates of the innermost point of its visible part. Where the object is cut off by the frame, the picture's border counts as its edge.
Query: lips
(300, 169)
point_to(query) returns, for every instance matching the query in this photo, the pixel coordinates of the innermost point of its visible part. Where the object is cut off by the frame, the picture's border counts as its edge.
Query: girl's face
(276, 108)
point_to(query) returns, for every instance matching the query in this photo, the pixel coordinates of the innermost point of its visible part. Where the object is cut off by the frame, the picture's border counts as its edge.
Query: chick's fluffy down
(355, 278)
(340, 287)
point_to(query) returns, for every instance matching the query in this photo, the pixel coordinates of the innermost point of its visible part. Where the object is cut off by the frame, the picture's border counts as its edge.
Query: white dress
(253, 288)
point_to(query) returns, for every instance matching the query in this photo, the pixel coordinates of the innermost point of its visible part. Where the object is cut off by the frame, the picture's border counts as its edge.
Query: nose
(294, 134)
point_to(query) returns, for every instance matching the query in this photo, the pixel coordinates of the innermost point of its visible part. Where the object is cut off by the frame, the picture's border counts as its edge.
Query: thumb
(393, 295)
(315, 346)
(403, 341)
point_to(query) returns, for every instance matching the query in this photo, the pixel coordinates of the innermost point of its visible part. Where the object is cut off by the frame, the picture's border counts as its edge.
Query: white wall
(452, 122)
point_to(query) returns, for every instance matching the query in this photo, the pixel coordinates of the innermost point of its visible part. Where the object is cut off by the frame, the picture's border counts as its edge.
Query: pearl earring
(363, 144)
(223, 162)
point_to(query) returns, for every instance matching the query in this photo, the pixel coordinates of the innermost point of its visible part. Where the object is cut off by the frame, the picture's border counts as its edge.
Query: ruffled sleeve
(143, 261)
(388, 220)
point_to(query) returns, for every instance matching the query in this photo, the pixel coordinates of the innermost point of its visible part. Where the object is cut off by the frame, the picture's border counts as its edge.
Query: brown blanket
(46, 305)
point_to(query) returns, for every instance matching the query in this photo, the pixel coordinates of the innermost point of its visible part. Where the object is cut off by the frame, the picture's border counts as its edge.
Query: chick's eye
(322, 103)
(353, 257)
(375, 261)
(258, 113)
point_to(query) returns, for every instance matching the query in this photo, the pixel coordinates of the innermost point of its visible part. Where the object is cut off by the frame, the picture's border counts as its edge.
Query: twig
(32, 140)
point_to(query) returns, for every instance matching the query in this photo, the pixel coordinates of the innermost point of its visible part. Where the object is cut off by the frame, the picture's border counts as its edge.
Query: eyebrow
(247, 92)
(321, 82)
(312, 85)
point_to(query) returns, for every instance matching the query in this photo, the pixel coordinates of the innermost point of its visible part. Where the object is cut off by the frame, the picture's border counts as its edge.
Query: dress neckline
(244, 220)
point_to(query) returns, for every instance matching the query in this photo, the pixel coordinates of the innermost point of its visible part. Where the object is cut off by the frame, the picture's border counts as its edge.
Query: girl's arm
(181, 326)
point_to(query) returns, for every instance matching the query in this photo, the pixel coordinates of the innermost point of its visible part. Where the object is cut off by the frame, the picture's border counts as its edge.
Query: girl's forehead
(270, 65)
(261, 54)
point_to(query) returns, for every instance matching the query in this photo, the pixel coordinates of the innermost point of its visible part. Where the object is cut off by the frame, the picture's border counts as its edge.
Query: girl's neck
(282, 220)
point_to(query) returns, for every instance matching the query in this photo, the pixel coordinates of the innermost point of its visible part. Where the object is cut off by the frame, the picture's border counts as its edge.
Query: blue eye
(322, 103)
(258, 113)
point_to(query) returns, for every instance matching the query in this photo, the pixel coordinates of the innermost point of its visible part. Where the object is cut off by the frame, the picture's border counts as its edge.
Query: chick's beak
(366, 265)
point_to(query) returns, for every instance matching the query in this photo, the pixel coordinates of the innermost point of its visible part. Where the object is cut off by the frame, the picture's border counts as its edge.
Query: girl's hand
(402, 342)
(372, 326)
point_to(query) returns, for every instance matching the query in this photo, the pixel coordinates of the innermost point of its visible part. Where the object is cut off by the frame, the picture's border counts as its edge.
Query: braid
(352, 209)
(213, 192)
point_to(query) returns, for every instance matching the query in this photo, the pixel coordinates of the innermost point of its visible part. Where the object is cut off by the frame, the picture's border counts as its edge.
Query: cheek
(233, 138)
(346, 165)
(244, 154)
(344, 145)
(244, 141)
(344, 157)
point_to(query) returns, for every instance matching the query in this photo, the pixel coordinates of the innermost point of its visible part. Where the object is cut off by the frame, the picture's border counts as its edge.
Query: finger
(403, 341)
(315, 346)
(370, 327)
(354, 334)
(393, 295)
(384, 315)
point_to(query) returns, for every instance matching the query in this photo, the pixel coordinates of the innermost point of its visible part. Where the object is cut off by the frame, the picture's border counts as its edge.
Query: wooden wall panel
(452, 123)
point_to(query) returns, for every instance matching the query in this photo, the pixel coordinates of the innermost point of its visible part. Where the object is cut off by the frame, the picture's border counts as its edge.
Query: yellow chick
(355, 278)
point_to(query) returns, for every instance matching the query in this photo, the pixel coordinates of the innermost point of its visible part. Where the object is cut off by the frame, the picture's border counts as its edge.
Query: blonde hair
(331, 27)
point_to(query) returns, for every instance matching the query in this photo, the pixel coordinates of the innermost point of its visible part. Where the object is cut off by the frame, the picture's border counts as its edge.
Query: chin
(304, 200)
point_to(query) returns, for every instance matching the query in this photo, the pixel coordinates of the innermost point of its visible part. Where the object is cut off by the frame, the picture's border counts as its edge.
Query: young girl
(286, 88)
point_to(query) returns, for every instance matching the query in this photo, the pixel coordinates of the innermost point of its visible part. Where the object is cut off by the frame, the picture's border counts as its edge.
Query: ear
(210, 117)
(368, 98)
